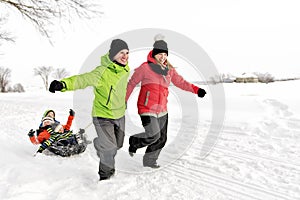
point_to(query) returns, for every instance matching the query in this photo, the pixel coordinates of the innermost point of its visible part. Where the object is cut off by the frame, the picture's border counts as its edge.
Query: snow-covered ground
(257, 155)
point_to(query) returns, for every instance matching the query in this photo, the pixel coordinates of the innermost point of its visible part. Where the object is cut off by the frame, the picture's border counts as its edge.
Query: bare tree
(5, 35)
(215, 79)
(4, 78)
(18, 88)
(44, 73)
(60, 73)
(43, 14)
(265, 77)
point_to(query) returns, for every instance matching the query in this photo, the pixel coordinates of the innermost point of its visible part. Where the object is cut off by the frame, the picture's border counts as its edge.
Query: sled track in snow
(245, 155)
(230, 187)
(249, 156)
(234, 187)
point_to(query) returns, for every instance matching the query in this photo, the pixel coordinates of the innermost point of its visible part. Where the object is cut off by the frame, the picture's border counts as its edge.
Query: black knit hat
(116, 46)
(159, 46)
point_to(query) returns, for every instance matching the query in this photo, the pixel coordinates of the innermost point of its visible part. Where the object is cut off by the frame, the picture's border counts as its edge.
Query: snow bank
(256, 156)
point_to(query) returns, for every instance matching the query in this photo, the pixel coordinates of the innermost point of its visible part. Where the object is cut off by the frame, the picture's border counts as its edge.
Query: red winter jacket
(154, 87)
(45, 132)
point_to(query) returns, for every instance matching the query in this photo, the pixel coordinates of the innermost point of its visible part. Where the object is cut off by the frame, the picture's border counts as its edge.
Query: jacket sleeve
(34, 140)
(69, 123)
(44, 134)
(134, 80)
(179, 81)
(82, 81)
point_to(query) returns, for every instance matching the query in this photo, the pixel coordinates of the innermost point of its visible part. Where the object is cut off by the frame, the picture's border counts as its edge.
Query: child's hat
(44, 119)
(47, 112)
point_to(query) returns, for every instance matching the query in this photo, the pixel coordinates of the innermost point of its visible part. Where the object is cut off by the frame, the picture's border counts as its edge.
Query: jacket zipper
(108, 98)
(147, 98)
(165, 78)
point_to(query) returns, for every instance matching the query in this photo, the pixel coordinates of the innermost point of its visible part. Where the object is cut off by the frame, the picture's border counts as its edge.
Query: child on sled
(58, 138)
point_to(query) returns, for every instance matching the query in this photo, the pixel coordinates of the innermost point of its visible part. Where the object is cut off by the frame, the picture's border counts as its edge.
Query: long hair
(170, 66)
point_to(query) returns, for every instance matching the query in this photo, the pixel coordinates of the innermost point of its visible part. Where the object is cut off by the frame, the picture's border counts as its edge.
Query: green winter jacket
(110, 82)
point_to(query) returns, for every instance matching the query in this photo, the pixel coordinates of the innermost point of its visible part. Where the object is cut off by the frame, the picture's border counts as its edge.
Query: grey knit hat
(116, 46)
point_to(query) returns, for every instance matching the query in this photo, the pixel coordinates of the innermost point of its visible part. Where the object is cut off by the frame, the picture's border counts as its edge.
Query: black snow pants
(154, 137)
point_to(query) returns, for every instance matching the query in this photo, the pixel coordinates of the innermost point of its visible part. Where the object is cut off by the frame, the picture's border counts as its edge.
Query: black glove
(56, 86)
(72, 112)
(81, 131)
(31, 133)
(201, 92)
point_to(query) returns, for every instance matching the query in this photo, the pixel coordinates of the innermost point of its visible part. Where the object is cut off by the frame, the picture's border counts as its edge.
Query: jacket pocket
(109, 95)
(147, 98)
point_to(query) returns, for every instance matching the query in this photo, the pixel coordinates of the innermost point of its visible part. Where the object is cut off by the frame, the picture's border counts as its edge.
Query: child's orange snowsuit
(44, 133)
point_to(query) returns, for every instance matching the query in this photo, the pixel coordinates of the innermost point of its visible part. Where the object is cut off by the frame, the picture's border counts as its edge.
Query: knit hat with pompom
(159, 46)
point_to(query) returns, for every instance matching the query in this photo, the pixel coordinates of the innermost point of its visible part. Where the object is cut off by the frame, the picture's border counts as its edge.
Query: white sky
(239, 36)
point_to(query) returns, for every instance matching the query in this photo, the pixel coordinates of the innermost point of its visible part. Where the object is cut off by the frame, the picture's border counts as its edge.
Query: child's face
(47, 122)
(61, 130)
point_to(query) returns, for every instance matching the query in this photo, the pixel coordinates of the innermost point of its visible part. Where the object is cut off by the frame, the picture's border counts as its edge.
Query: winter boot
(79, 138)
(131, 149)
(152, 165)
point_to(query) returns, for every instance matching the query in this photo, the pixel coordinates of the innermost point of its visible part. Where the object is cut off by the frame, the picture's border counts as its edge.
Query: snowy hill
(256, 155)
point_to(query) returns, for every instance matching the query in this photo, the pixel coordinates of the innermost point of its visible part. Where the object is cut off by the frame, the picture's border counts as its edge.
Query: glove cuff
(64, 85)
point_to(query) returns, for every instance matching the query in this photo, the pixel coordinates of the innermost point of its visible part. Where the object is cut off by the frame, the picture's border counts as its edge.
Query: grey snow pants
(110, 138)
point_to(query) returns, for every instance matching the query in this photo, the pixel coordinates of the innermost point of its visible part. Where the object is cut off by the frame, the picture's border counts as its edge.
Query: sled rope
(88, 125)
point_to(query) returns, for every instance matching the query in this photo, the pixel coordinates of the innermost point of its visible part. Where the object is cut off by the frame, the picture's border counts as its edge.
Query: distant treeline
(255, 77)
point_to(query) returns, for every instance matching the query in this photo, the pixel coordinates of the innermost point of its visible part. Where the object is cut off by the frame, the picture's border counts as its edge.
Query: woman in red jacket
(155, 76)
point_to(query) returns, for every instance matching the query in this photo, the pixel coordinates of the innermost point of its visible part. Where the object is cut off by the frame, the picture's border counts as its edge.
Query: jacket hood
(150, 58)
(105, 61)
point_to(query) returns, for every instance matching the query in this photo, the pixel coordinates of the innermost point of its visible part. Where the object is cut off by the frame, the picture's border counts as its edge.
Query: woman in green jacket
(109, 81)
